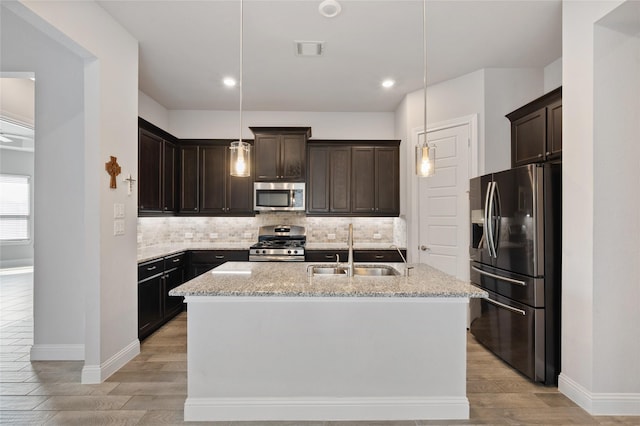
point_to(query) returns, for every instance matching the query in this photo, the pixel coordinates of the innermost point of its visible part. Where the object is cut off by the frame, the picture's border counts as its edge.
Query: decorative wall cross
(113, 168)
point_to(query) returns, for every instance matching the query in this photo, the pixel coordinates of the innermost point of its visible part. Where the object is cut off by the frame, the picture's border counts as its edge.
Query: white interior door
(444, 203)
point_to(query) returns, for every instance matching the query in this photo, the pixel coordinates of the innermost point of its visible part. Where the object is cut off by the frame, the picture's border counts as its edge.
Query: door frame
(474, 168)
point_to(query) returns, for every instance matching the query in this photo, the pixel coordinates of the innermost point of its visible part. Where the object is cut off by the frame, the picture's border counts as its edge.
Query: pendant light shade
(240, 159)
(240, 152)
(425, 160)
(425, 153)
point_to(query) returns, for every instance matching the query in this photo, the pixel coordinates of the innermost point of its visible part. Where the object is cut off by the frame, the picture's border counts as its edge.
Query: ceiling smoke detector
(329, 8)
(309, 48)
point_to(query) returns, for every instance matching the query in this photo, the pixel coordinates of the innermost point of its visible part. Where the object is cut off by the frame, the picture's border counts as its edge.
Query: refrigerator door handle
(496, 232)
(498, 277)
(507, 307)
(489, 219)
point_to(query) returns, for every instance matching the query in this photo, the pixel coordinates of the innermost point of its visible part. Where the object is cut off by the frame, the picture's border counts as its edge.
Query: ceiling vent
(309, 48)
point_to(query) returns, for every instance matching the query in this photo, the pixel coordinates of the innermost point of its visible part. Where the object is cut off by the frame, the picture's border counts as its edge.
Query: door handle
(424, 248)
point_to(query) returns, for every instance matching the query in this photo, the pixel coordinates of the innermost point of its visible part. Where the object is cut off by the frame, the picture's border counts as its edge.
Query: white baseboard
(92, 374)
(310, 409)
(44, 352)
(600, 404)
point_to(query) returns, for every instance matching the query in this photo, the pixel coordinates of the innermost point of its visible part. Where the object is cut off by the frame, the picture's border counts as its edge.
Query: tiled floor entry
(151, 389)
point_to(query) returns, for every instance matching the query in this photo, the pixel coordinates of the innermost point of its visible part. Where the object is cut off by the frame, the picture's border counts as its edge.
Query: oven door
(511, 330)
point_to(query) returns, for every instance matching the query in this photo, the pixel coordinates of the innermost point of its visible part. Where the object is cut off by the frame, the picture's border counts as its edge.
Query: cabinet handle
(176, 260)
(195, 208)
(219, 257)
(166, 208)
(548, 153)
(539, 155)
(151, 268)
(379, 256)
(328, 256)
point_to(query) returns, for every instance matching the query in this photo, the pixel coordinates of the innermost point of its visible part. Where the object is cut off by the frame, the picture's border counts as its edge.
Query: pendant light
(425, 153)
(240, 151)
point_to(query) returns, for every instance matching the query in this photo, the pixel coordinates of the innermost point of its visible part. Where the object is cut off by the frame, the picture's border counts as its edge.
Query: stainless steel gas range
(278, 243)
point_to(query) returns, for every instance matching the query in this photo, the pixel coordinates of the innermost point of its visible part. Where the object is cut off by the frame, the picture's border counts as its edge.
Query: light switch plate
(377, 236)
(248, 235)
(118, 210)
(331, 236)
(118, 227)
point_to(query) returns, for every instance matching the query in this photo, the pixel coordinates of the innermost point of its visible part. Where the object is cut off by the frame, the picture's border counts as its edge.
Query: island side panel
(296, 358)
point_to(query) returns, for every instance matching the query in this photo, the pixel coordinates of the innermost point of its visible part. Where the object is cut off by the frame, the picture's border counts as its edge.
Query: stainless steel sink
(364, 270)
(326, 270)
(375, 271)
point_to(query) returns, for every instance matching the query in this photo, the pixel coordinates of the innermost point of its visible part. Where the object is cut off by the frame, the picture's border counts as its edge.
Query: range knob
(264, 252)
(288, 251)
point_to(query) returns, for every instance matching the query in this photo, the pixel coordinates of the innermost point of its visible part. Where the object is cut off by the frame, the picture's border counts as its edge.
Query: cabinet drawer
(325, 255)
(151, 268)
(174, 261)
(378, 256)
(219, 256)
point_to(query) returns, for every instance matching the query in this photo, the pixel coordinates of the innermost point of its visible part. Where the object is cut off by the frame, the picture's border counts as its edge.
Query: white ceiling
(187, 47)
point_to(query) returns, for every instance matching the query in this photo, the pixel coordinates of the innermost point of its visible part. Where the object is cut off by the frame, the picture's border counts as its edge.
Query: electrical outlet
(248, 235)
(331, 236)
(377, 236)
(213, 235)
(188, 234)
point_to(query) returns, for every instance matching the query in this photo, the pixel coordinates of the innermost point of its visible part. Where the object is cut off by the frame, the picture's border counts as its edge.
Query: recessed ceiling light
(329, 8)
(388, 83)
(229, 82)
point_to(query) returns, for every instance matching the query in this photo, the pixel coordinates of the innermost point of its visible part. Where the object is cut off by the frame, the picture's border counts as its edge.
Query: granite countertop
(154, 252)
(287, 279)
(160, 250)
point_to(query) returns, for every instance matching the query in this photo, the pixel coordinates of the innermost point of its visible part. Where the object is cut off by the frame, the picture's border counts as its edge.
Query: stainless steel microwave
(279, 196)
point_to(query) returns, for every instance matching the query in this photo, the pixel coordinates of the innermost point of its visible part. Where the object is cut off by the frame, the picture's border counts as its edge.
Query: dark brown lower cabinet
(201, 261)
(155, 279)
(364, 256)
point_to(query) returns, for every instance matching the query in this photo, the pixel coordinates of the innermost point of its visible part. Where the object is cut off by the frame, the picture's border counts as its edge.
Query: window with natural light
(14, 207)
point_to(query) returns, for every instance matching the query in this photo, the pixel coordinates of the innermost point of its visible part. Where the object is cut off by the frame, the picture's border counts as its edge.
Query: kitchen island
(266, 341)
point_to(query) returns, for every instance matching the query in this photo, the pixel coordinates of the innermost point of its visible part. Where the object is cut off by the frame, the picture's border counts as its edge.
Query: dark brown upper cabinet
(353, 178)
(206, 186)
(157, 170)
(280, 153)
(536, 130)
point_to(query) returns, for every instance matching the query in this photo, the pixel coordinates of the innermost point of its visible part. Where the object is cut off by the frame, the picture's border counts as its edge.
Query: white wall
(600, 364)
(553, 75)
(18, 163)
(152, 111)
(58, 296)
(194, 124)
(86, 111)
(505, 90)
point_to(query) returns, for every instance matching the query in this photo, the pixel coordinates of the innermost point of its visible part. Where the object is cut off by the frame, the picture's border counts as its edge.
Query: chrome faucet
(350, 243)
(406, 268)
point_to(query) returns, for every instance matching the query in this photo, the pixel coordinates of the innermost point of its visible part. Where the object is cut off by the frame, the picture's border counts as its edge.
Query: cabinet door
(267, 158)
(387, 181)
(318, 191)
(528, 138)
(149, 172)
(340, 179)
(172, 304)
(362, 180)
(149, 305)
(169, 176)
(189, 182)
(212, 179)
(554, 130)
(292, 157)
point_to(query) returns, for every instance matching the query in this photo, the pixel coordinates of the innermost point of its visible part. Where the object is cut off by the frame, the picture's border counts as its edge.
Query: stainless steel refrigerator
(516, 244)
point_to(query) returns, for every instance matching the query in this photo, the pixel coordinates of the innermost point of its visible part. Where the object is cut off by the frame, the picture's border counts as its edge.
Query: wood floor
(151, 389)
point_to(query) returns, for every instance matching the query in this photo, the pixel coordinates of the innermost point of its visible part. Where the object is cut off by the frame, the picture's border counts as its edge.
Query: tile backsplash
(179, 229)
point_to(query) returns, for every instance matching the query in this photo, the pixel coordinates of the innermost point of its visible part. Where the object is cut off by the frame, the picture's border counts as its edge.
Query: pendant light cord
(424, 65)
(241, 60)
